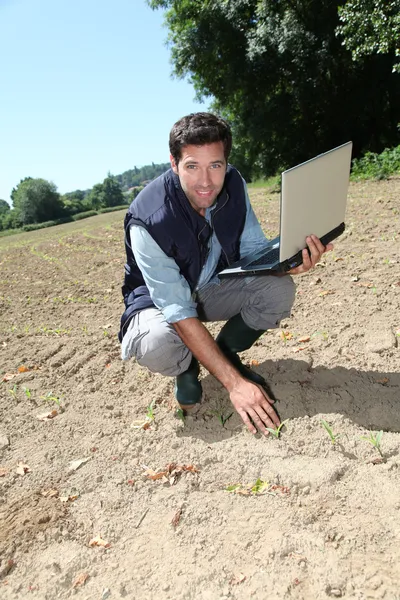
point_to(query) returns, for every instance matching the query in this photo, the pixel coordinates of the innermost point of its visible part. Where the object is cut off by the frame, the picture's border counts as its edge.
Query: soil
(302, 518)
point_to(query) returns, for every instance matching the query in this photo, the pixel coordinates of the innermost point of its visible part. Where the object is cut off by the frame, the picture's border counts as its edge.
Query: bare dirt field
(101, 501)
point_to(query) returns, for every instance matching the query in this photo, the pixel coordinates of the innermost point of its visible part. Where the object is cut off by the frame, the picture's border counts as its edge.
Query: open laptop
(313, 200)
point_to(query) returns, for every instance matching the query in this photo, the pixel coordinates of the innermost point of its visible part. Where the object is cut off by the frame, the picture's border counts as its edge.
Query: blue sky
(86, 88)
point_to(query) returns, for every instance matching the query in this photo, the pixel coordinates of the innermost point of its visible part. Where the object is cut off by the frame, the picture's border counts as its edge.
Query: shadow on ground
(370, 399)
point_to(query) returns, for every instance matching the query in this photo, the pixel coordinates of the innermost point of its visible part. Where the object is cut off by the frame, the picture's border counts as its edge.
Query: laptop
(313, 200)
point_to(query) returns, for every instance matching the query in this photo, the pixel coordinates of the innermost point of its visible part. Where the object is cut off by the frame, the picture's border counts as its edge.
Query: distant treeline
(137, 177)
(37, 201)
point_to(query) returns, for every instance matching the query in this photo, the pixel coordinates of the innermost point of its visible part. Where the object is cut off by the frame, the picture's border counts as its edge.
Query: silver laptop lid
(313, 198)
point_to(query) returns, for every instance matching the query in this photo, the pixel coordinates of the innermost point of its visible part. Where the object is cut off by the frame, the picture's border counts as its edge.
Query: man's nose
(205, 178)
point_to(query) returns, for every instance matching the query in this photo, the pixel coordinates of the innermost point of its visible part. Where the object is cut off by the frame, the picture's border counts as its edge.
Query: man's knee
(272, 301)
(156, 345)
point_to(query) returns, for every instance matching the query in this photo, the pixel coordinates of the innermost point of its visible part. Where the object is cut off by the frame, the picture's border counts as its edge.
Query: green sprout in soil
(277, 432)
(180, 414)
(150, 411)
(334, 436)
(13, 391)
(222, 416)
(375, 440)
(27, 393)
(50, 397)
(259, 488)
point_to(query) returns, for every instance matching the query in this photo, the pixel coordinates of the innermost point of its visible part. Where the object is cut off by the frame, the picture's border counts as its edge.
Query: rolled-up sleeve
(168, 289)
(253, 238)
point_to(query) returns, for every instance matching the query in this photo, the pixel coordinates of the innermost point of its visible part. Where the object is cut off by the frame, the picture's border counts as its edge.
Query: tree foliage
(106, 194)
(4, 207)
(281, 75)
(135, 177)
(37, 200)
(371, 27)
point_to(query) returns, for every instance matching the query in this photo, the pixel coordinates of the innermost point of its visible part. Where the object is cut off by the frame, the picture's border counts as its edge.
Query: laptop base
(283, 267)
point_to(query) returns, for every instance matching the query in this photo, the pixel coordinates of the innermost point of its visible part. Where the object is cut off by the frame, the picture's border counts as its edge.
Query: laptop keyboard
(266, 259)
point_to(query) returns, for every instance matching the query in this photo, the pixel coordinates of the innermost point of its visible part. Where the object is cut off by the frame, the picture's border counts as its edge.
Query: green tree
(280, 74)
(37, 200)
(371, 27)
(10, 220)
(105, 194)
(4, 207)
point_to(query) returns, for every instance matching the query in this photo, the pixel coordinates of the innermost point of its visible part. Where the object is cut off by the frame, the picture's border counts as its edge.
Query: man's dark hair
(199, 129)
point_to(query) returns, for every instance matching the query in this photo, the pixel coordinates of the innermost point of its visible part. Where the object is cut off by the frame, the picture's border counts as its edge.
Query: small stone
(379, 341)
(336, 592)
(4, 442)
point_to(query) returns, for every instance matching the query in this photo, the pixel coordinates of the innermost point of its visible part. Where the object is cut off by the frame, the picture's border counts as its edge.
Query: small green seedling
(276, 432)
(334, 436)
(27, 393)
(13, 391)
(50, 397)
(375, 440)
(222, 416)
(179, 413)
(150, 411)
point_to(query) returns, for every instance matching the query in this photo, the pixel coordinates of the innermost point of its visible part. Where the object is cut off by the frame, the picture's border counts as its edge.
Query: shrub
(113, 208)
(377, 166)
(84, 215)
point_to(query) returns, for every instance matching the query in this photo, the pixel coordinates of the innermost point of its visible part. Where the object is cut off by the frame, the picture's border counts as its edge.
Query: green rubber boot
(188, 390)
(234, 337)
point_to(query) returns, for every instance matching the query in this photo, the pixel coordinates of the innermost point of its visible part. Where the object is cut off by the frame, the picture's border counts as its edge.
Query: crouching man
(180, 231)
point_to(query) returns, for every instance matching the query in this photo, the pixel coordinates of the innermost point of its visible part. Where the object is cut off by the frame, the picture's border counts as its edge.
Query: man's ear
(174, 166)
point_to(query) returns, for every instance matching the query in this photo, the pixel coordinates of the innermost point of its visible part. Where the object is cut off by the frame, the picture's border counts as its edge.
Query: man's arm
(250, 400)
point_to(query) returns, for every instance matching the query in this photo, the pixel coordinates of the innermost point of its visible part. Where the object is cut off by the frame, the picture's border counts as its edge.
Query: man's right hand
(249, 399)
(253, 406)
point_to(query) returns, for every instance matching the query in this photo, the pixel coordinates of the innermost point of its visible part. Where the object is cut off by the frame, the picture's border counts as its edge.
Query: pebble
(4, 442)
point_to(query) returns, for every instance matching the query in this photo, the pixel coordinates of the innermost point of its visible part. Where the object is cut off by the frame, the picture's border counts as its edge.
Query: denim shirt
(168, 289)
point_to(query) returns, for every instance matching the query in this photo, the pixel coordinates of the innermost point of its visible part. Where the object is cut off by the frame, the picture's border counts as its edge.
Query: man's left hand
(317, 249)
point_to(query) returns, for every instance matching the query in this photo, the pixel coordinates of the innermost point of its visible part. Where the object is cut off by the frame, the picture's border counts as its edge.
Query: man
(181, 230)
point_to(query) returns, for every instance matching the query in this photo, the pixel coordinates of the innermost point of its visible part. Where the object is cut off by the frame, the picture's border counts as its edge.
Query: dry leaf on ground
(22, 369)
(9, 376)
(366, 284)
(47, 416)
(3, 471)
(50, 493)
(254, 363)
(98, 541)
(75, 464)
(298, 349)
(22, 469)
(305, 338)
(383, 380)
(326, 293)
(171, 472)
(70, 495)
(176, 518)
(80, 580)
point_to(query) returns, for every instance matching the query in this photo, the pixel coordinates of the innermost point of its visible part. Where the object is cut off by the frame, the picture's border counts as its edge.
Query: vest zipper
(212, 220)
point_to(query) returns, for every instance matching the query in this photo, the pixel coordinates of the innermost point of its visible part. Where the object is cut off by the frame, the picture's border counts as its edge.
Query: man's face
(201, 171)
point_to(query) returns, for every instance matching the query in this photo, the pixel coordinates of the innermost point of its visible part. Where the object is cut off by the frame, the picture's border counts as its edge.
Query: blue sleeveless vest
(182, 233)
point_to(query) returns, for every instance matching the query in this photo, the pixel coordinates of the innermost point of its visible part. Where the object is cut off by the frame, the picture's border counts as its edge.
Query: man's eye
(216, 166)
